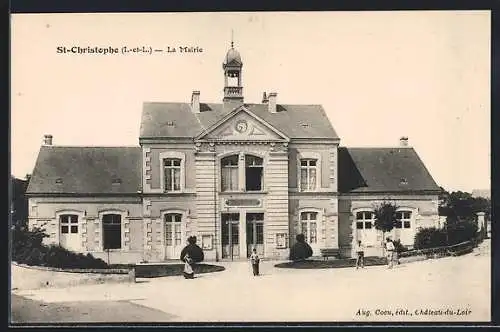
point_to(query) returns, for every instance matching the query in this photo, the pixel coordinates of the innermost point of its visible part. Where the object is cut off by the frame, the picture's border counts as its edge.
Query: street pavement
(451, 289)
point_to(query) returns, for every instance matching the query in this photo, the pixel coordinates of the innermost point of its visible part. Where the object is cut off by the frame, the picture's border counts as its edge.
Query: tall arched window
(253, 173)
(229, 173)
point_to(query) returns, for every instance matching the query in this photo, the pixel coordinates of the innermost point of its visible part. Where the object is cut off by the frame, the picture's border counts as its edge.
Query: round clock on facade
(241, 126)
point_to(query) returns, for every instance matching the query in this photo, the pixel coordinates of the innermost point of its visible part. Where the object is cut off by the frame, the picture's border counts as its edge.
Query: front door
(309, 227)
(173, 235)
(70, 235)
(255, 233)
(230, 235)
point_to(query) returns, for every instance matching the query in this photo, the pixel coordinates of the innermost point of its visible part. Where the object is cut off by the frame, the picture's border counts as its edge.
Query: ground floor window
(69, 223)
(403, 219)
(309, 226)
(112, 231)
(365, 229)
(173, 233)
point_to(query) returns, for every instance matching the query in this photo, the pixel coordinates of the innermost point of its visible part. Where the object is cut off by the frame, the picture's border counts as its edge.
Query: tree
(194, 251)
(385, 217)
(301, 249)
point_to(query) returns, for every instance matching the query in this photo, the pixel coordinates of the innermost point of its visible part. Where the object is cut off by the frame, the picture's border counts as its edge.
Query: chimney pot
(272, 102)
(195, 102)
(403, 141)
(47, 139)
(264, 98)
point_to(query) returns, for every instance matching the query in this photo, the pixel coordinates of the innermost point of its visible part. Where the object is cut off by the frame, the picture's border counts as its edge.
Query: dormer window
(59, 181)
(116, 181)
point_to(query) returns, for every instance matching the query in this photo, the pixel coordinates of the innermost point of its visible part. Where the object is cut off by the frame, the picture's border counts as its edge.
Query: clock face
(241, 126)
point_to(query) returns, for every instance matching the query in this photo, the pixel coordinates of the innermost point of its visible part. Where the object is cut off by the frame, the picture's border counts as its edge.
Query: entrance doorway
(70, 237)
(230, 235)
(255, 233)
(173, 235)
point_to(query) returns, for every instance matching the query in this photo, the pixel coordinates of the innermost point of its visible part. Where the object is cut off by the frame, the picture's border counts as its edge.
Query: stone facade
(283, 166)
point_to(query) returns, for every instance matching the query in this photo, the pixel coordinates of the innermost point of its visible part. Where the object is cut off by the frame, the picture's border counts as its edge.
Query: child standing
(188, 269)
(360, 253)
(389, 246)
(255, 260)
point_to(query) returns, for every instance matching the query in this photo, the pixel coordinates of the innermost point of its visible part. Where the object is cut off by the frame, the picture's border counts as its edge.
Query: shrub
(430, 238)
(301, 249)
(28, 249)
(461, 231)
(194, 251)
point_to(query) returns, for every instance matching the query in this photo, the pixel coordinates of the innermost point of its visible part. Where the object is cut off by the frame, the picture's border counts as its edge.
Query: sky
(378, 75)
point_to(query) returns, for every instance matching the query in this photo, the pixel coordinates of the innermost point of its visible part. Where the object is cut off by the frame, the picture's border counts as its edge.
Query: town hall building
(235, 174)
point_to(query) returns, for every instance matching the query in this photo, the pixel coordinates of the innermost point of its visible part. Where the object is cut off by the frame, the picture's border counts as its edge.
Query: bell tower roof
(233, 85)
(233, 56)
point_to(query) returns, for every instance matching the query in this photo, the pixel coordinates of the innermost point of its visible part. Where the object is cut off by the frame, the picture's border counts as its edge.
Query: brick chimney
(264, 98)
(195, 102)
(47, 139)
(272, 102)
(403, 141)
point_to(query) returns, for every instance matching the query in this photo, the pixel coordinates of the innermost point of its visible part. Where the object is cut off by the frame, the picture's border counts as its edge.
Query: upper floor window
(172, 172)
(245, 173)
(69, 223)
(253, 173)
(308, 173)
(112, 231)
(229, 173)
(403, 219)
(365, 219)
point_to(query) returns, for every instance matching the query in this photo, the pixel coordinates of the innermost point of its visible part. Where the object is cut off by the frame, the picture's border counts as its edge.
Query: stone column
(243, 234)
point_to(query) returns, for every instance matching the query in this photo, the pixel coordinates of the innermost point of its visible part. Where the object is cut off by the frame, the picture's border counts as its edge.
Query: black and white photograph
(250, 167)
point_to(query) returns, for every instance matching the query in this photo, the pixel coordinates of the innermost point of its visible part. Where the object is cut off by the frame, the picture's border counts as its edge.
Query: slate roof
(91, 170)
(87, 170)
(176, 120)
(364, 170)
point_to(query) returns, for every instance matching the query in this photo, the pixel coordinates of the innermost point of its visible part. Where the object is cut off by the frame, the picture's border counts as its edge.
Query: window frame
(232, 167)
(309, 156)
(241, 171)
(318, 222)
(261, 166)
(163, 157)
(123, 215)
(69, 223)
(105, 225)
(401, 222)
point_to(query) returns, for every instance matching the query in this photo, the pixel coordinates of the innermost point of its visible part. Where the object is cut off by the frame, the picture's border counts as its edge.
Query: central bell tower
(233, 89)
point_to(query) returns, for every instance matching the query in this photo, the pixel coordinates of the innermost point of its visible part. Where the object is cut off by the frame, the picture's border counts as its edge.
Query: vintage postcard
(251, 167)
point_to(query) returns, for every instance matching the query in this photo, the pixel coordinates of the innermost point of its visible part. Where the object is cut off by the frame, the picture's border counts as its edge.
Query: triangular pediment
(243, 125)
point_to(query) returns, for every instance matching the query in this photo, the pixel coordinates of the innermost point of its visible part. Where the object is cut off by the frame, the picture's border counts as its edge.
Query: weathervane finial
(232, 38)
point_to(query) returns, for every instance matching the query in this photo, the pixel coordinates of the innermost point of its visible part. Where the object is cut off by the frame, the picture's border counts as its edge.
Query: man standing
(360, 253)
(389, 247)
